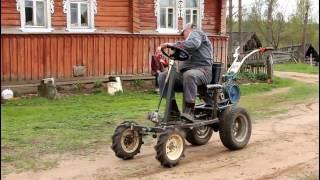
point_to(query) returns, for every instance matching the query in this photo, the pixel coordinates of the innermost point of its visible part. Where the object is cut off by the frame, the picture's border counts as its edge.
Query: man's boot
(189, 110)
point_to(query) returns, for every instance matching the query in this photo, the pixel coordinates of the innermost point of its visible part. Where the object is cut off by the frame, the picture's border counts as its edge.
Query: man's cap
(186, 26)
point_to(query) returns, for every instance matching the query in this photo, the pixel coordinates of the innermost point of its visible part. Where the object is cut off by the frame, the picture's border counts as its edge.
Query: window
(192, 12)
(169, 11)
(167, 16)
(80, 14)
(35, 15)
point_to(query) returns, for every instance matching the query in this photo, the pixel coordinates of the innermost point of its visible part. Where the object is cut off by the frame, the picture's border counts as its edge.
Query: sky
(287, 7)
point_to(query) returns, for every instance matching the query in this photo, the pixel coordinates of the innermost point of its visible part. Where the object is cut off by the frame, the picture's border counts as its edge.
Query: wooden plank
(118, 56)
(113, 60)
(6, 58)
(101, 55)
(2, 58)
(124, 59)
(130, 56)
(13, 58)
(41, 57)
(34, 59)
(59, 60)
(223, 55)
(54, 65)
(107, 58)
(145, 55)
(79, 50)
(73, 51)
(85, 53)
(96, 56)
(47, 52)
(140, 55)
(67, 68)
(90, 56)
(135, 55)
(29, 57)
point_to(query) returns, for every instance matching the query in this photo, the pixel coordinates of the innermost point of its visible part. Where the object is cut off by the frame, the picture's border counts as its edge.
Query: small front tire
(170, 148)
(126, 143)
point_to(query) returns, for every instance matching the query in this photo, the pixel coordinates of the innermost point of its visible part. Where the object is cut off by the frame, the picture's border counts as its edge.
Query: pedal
(187, 117)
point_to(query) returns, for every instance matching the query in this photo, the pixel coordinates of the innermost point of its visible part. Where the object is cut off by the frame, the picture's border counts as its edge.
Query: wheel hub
(174, 147)
(240, 128)
(130, 140)
(202, 131)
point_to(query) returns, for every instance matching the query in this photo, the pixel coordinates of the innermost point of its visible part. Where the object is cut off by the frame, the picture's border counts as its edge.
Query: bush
(252, 76)
(261, 76)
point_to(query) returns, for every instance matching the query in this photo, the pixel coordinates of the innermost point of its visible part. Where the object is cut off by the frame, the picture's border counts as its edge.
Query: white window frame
(175, 18)
(48, 4)
(191, 11)
(92, 10)
(179, 11)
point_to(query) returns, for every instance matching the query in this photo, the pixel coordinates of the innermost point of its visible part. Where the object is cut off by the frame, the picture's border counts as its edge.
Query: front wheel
(126, 143)
(170, 148)
(235, 128)
(199, 136)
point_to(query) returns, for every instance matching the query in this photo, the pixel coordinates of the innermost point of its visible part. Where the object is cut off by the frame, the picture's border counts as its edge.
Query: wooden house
(48, 38)
(250, 41)
(297, 51)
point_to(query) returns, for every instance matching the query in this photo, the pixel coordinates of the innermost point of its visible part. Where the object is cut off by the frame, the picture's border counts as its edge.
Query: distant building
(249, 42)
(297, 50)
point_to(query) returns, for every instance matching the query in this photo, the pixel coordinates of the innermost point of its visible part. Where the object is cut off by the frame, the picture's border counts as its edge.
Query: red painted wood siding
(33, 57)
(9, 14)
(123, 15)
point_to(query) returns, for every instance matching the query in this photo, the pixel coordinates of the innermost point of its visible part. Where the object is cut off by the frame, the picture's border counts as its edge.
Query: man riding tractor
(194, 72)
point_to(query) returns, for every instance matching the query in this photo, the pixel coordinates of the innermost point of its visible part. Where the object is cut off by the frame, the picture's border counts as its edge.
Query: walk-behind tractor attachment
(233, 123)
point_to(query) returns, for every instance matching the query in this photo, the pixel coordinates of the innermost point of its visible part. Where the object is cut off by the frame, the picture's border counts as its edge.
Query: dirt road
(281, 147)
(309, 78)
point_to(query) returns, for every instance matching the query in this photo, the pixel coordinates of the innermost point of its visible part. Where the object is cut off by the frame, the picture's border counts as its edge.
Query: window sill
(33, 29)
(80, 30)
(167, 31)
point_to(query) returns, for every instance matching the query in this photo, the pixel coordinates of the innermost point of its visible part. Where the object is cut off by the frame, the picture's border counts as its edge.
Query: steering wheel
(176, 53)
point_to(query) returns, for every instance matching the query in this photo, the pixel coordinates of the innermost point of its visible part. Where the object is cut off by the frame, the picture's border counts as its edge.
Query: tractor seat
(216, 75)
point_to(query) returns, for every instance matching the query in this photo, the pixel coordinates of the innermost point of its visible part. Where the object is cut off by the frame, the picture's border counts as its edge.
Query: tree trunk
(305, 25)
(269, 30)
(230, 27)
(240, 25)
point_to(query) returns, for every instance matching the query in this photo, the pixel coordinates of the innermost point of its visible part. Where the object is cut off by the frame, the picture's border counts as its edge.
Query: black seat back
(216, 72)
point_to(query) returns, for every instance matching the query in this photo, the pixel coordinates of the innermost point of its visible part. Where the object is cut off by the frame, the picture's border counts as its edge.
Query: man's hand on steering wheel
(177, 53)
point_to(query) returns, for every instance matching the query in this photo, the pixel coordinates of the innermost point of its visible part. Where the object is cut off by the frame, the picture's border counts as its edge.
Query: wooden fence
(254, 64)
(33, 57)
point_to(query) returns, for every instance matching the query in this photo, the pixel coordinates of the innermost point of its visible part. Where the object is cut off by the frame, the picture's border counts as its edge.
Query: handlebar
(265, 49)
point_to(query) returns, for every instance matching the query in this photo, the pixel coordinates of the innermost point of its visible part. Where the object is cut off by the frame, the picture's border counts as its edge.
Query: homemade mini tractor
(233, 123)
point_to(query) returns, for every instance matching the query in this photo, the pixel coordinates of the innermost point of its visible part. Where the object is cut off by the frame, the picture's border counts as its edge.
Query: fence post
(310, 59)
(269, 68)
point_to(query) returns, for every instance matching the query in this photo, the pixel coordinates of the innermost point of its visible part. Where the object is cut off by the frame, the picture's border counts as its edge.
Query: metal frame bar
(161, 128)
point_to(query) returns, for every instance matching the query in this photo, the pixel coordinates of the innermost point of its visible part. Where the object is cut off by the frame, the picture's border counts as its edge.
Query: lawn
(33, 128)
(300, 68)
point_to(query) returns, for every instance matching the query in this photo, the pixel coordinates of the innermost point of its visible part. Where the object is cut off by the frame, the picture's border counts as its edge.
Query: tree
(305, 24)
(240, 23)
(230, 25)
(270, 24)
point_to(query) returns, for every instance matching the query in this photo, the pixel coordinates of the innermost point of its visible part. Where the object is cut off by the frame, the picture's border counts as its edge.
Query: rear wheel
(126, 143)
(235, 128)
(199, 136)
(170, 148)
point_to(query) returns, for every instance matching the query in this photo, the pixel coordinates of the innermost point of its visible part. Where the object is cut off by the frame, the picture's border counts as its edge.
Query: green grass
(300, 68)
(32, 128)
